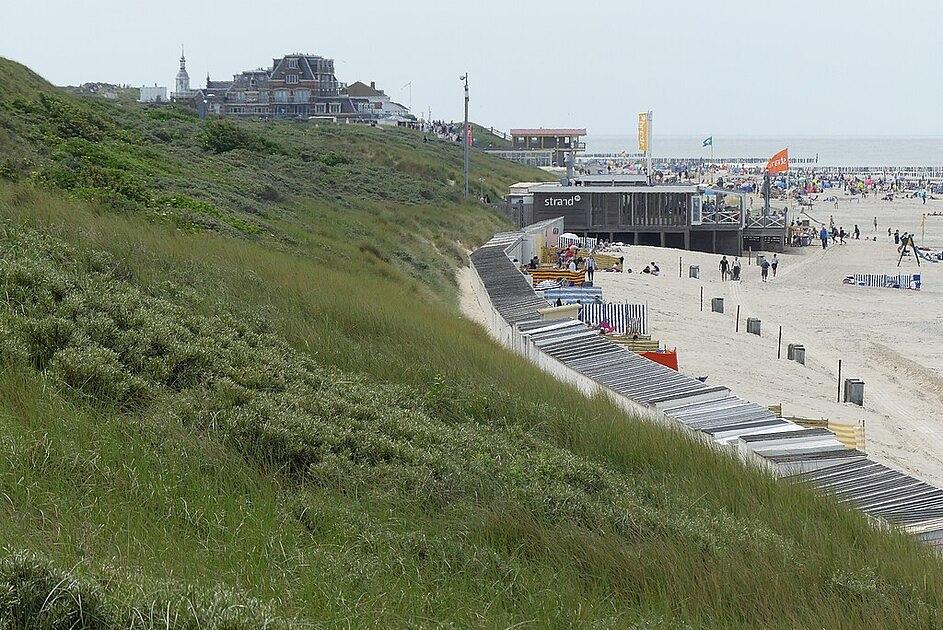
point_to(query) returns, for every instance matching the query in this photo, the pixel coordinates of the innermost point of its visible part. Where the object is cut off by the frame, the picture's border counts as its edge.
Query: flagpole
(650, 144)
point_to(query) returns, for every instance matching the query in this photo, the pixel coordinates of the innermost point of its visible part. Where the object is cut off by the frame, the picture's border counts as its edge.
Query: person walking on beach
(841, 235)
(764, 270)
(736, 269)
(724, 265)
(774, 264)
(896, 237)
(875, 224)
(823, 235)
(857, 233)
(590, 268)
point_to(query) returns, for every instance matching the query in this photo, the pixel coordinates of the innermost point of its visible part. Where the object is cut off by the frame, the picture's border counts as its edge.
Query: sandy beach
(889, 338)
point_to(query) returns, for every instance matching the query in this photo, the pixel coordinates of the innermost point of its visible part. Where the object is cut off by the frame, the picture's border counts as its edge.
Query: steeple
(183, 79)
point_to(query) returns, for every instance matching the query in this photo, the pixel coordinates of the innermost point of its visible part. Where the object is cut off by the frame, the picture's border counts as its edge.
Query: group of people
(732, 271)
(569, 258)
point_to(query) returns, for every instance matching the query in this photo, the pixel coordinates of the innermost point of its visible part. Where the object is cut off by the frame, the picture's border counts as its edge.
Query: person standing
(823, 235)
(896, 237)
(724, 265)
(764, 270)
(875, 224)
(590, 267)
(774, 264)
(736, 269)
(857, 233)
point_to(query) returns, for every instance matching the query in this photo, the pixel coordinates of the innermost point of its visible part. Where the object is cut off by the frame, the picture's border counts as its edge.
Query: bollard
(717, 305)
(753, 326)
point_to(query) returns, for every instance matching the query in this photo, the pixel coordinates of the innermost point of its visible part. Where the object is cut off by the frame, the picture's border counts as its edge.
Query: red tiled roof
(548, 132)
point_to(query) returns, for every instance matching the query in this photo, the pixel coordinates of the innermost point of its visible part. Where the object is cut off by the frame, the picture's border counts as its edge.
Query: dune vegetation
(236, 392)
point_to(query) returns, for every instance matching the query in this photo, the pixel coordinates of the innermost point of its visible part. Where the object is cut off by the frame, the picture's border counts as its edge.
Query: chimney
(373, 85)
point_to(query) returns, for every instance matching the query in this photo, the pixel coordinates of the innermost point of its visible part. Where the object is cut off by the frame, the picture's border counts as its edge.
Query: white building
(376, 101)
(153, 94)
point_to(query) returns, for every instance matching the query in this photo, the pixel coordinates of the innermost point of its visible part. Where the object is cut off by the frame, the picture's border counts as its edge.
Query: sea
(830, 150)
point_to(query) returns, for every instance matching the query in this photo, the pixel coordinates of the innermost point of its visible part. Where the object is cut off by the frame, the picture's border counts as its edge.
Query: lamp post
(464, 78)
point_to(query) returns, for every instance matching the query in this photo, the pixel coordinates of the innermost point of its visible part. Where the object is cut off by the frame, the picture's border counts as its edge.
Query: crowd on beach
(732, 270)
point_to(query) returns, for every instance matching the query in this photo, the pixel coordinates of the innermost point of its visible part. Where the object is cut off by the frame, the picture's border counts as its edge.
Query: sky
(831, 67)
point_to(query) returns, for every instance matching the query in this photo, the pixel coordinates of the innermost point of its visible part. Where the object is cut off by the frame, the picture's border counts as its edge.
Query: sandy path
(468, 301)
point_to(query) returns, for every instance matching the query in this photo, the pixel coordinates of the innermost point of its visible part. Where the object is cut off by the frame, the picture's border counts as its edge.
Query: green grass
(485, 139)
(296, 419)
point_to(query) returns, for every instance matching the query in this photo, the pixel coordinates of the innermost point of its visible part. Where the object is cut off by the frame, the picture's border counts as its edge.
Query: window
(301, 96)
(293, 64)
(320, 108)
(263, 97)
(335, 108)
(291, 79)
(281, 96)
(696, 210)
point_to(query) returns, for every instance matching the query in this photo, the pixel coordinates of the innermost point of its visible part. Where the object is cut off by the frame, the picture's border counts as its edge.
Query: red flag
(779, 163)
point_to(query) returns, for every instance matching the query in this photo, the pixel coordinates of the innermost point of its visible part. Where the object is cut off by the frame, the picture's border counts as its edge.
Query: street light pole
(465, 130)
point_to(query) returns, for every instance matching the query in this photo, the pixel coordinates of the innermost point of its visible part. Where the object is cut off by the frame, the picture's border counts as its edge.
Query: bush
(221, 136)
(34, 594)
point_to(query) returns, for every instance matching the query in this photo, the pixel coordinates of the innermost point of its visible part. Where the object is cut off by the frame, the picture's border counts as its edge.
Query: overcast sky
(723, 67)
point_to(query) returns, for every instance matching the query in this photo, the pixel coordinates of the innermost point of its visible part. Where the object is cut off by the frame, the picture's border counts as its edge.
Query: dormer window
(291, 78)
(293, 64)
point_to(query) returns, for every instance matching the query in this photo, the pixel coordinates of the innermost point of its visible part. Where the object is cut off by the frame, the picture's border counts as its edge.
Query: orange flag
(779, 163)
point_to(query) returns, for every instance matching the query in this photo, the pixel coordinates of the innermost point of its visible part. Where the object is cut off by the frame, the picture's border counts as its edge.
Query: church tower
(183, 79)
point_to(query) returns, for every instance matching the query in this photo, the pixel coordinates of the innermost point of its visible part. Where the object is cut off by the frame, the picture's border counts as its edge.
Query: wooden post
(738, 318)
(779, 344)
(680, 267)
(702, 299)
(839, 380)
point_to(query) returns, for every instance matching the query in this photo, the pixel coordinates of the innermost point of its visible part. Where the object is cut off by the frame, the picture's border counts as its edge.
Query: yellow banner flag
(643, 132)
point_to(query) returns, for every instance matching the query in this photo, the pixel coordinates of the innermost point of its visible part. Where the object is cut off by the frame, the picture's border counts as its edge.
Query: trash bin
(694, 271)
(798, 354)
(854, 391)
(717, 305)
(753, 326)
(791, 351)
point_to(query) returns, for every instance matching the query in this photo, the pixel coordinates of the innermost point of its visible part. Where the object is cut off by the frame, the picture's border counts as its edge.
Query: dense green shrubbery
(221, 136)
(115, 345)
(34, 594)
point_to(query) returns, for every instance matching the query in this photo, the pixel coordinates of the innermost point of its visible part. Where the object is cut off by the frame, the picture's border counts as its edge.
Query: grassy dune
(275, 414)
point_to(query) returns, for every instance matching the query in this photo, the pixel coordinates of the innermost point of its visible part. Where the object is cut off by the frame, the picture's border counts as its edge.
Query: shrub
(221, 136)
